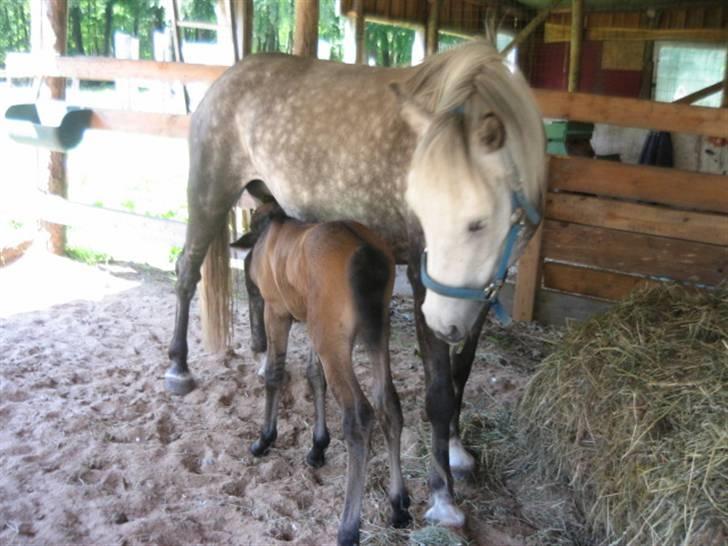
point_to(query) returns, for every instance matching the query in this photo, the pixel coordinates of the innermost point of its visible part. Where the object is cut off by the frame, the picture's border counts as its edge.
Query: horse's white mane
(474, 77)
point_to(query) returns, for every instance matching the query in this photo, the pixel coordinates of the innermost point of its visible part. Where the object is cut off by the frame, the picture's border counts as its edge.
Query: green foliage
(87, 256)
(273, 25)
(14, 27)
(389, 45)
(174, 253)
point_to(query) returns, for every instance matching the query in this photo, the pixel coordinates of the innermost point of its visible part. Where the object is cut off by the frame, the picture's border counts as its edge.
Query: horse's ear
(246, 241)
(259, 191)
(416, 117)
(490, 133)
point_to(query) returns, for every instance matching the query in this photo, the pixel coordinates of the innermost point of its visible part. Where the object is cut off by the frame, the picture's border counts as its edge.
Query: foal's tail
(370, 272)
(216, 301)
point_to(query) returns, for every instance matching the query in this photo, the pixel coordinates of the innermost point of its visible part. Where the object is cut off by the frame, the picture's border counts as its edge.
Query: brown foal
(337, 277)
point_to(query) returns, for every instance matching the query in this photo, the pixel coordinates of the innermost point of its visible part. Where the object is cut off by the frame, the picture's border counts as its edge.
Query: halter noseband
(523, 210)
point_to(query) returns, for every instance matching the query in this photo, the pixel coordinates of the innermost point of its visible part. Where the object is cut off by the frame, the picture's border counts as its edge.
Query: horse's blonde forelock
(474, 77)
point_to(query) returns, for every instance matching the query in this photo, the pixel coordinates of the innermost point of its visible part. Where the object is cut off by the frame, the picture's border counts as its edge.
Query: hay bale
(632, 408)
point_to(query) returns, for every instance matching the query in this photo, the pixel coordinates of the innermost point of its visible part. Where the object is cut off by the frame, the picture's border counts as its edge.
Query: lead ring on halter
(522, 211)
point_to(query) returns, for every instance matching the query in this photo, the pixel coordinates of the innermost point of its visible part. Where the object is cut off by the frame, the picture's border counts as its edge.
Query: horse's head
(477, 171)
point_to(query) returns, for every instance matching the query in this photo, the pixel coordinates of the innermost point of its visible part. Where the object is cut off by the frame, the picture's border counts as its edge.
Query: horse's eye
(476, 225)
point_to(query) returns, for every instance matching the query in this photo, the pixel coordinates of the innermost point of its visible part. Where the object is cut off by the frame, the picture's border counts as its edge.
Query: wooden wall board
(558, 308)
(622, 55)
(634, 253)
(638, 218)
(591, 282)
(684, 189)
(627, 112)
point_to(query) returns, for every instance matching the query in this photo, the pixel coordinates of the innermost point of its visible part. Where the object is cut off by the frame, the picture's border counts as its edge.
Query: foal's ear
(246, 241)
(417, 118)
(489, 133)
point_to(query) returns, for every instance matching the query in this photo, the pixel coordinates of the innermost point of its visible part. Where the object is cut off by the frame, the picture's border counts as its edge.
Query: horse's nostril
(454, 334)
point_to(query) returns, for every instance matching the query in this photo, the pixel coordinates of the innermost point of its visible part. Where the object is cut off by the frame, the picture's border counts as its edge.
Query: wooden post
(359, 32)
(433, 26)
(48, 34)
(305, 37)
(527, 31)
(528, 281)
(577, 32)
(245, 27)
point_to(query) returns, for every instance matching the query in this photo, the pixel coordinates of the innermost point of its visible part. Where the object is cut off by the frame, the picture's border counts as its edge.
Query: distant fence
(609, 227)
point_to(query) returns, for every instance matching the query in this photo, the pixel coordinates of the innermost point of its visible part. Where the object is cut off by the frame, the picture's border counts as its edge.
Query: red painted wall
(551, 69)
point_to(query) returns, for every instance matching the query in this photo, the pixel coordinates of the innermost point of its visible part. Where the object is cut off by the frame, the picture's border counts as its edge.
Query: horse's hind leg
(357, 428)
(258, 342)
(204, 223)
(389, 413)
(277, 329)
(321, 438)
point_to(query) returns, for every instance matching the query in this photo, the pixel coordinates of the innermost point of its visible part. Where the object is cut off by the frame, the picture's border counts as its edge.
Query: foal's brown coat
(337, 277)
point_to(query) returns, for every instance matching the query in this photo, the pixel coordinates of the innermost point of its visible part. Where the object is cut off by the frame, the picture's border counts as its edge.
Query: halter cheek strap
(489, 294)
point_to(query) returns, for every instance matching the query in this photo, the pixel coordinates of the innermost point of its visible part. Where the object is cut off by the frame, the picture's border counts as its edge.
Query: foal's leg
(439, 404)
(321, 438)
(389, 412)
(357, 428)
(277, 328)
(256, 305)
(462, 462)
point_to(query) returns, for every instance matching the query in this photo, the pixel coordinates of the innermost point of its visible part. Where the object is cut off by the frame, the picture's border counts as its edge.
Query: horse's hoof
(462, 463)
(444, 512)
(258, 449)
(401, 518)
(315, 458)
(179, 384)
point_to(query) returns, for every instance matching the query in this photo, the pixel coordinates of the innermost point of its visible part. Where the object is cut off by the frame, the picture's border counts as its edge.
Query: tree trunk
(108, 20)
(49, 36)
(305, 40)
(75, 17)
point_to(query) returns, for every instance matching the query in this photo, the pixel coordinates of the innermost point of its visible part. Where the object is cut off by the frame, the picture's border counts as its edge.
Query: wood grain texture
(638, 218)
(591, 282)
(684, 189)
(626, 112)
(634, 253)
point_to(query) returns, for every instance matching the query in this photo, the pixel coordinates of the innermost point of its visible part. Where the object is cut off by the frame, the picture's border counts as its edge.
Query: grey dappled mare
(425, 156)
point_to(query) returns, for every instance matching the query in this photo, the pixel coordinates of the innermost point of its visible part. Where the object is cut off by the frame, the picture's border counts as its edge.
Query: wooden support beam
(555, 32)
(305, 37)
(700, 94)
(577, 33)
(167, 125)
(48, 32)
(527, 31)
(528, 281)
(433, 27)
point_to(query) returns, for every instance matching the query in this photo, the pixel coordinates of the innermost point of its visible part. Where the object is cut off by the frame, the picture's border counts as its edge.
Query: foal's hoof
(315, 458)
(178, 383)
(348, 537)
(261, 446)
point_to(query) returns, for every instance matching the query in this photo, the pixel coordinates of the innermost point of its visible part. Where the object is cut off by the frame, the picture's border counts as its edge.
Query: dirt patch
(94, 451)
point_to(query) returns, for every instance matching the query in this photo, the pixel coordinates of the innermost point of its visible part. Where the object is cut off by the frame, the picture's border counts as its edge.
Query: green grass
(87, 256)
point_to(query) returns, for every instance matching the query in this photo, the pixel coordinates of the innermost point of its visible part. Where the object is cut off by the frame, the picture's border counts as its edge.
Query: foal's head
(480, 139)
(262, 217)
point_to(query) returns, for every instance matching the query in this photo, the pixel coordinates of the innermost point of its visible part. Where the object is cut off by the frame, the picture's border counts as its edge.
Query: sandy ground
(94, 451)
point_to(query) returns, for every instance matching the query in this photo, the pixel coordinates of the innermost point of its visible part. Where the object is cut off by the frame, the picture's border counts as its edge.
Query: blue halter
(489, 294)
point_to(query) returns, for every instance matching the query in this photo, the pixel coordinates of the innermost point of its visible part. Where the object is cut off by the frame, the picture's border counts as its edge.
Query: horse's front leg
(439, 405)
(462, 463)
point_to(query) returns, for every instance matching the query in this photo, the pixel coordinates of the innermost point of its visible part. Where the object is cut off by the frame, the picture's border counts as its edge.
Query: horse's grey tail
(369, 272)
(216, 299)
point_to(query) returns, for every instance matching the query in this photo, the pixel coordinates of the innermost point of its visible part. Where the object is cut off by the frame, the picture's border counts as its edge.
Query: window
(681, 69)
